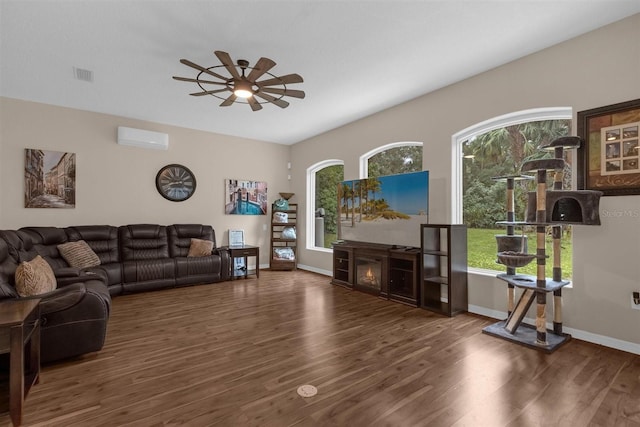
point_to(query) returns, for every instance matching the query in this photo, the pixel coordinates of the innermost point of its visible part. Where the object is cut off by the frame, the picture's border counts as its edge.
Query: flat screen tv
(387, 209)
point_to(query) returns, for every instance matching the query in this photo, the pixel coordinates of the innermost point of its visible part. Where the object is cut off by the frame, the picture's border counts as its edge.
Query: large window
(322, 200)
(390, 159)
(323, 179)
(499, 148)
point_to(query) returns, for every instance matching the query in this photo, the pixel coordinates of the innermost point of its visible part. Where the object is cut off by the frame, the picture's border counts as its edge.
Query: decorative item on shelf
(289, 233)
(236, 237)
(282, 204)
(175, 182)
(280, 217)
(284, 253)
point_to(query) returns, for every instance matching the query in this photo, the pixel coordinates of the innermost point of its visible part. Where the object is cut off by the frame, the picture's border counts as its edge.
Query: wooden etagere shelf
(283, 251)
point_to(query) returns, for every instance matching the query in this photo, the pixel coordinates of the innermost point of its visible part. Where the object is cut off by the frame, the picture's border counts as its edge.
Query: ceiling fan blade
(262, 66)
(230, 100)
(187, 79)
(279, 102)
(286, 79)
(228, 63)
(284, 92)
(208, 92)
(204, 70)
(255, 105)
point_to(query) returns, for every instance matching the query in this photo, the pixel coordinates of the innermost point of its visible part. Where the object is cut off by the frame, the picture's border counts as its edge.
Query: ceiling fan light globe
(242, 93)
(242, 89)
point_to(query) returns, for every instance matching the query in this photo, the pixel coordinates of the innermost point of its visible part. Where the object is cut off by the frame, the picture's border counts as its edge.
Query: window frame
(364, 159)
(311, 202)
(457, 140)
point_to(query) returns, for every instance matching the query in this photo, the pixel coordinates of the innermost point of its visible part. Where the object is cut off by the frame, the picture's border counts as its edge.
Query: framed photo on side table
(236, 237)
(609, 159)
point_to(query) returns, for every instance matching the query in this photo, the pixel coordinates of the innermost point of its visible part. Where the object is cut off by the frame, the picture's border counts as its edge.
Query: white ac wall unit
(142, 138)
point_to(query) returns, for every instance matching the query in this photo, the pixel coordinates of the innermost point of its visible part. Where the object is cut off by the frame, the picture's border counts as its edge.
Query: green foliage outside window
(327, 180)
(502, 152)
(396, 160)
(389, 162)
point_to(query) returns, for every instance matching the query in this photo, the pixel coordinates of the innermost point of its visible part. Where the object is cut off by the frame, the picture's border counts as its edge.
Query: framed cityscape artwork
(49, 179)
(243, 197)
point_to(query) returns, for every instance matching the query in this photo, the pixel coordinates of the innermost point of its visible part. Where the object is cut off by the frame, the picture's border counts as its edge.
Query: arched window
(389, 159)
(322, 202)
(494, 148)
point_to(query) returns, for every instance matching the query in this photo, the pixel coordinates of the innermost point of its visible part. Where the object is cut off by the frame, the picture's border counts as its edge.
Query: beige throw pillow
(34, 277)
(200, 248)
(78, 254)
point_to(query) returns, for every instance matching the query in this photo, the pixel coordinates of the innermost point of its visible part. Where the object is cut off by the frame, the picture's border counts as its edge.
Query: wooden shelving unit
(280, 243)
(444, 268)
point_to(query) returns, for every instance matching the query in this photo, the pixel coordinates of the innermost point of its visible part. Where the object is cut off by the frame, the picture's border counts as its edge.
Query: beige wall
(581, 73)
(116, 184)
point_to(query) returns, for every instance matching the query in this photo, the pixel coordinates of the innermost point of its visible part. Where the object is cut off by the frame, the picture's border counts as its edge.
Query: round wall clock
(175, 182)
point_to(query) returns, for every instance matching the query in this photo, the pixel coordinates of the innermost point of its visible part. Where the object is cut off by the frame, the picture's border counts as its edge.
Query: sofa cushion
(45, 243)
(79, 254)
(34, 277)
(102, 239)
(143, 242)
(19, 245)
(180, 236)
(200, 248)
(7, 272)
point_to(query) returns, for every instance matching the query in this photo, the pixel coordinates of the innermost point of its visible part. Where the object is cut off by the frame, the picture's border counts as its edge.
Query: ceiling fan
(243, 87)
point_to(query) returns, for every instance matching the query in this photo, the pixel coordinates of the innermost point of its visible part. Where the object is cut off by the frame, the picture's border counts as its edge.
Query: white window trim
(536, 114)
(364, 159)
(311, 202)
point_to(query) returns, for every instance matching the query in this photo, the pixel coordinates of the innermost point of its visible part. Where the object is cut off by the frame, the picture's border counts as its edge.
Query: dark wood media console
(433, 277)
(384, 270)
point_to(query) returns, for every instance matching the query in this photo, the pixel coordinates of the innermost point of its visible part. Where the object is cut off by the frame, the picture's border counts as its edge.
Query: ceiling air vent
(82, 74)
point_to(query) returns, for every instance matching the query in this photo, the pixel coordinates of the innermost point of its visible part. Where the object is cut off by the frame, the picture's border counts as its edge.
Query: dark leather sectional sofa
(133, 258)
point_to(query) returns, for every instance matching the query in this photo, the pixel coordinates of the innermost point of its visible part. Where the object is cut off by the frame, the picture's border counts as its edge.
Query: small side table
(19, 328)
(244, 251)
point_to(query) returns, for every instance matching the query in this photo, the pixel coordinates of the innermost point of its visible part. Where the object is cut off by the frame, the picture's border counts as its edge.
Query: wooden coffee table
(19, 328)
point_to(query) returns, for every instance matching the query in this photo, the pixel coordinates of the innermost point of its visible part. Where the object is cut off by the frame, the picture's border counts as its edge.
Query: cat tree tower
(546, 209)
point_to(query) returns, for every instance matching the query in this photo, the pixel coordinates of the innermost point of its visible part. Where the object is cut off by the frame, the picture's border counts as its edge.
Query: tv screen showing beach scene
(387, 209)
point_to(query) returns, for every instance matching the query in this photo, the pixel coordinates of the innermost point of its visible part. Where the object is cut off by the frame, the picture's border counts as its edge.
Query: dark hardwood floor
(234, 353)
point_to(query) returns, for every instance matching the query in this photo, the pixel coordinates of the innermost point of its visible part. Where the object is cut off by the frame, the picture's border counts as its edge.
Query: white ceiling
(356, 57)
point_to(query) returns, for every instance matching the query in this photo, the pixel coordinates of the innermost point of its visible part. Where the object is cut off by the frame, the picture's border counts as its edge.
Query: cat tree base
(526, 335)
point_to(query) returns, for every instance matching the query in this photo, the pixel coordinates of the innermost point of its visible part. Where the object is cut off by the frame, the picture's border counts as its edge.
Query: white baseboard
(315, 270)
(627, 346)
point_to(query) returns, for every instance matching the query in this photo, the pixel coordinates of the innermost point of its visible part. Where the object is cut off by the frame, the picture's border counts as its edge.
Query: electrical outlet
(635, 300)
